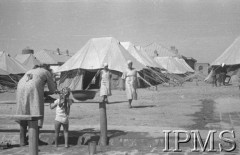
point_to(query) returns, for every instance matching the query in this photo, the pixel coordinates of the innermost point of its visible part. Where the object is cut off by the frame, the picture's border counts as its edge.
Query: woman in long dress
(130, 77)
(105, 83)
(30, 94)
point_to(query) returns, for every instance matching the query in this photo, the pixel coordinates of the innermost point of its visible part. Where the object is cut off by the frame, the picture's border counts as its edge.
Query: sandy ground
(182, 107)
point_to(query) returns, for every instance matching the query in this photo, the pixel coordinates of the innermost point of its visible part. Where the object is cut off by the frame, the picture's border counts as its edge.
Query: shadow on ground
(81, 137)
(144, 106)
(205, 116)
(114, 102)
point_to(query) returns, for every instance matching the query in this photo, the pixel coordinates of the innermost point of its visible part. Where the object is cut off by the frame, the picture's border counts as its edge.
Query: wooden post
(33, 137)
(103, 123)
(33, 129)
(23, 131)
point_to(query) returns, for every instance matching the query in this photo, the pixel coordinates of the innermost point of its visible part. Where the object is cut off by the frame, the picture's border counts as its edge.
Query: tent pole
(12, 79)
(146, 81)
(152, 78)
(157, 74)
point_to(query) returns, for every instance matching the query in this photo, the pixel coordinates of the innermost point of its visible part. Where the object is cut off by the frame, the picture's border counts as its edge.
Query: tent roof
(141, 56)
(146, 56)
(9, 64)
(161, 50)
(231, 56)
(3, 72)
(171, 65)
(185, 65)
(98, 51)
(28, 60)
(51, 57)
(21, 57)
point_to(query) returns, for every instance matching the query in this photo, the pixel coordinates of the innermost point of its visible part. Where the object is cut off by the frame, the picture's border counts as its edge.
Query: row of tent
(91, 57)
(23, 62)
(78, 71)
(100, 50)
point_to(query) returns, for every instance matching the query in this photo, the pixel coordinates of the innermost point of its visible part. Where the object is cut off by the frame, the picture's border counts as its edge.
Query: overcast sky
(202, 29)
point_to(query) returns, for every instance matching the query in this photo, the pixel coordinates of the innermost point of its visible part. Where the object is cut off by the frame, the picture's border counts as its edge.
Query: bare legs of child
(57, 130)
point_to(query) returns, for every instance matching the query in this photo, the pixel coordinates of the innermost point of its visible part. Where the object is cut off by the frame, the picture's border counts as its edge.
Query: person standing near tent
(30, 95)
(222, 75)
(105, 83)
(214, 77)
(130, 77)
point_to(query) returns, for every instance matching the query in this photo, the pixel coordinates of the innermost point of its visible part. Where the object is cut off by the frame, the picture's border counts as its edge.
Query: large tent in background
(231, 60)
(51, 57)
(28, 60)
(9, 64)
(12, 70)
(153, 72)
(172, 65)
(183, 62)
(145, 60)
(91, 57)
(98, 51)
(231, 56)
(158, 50)
(151, 59)
(3, 72)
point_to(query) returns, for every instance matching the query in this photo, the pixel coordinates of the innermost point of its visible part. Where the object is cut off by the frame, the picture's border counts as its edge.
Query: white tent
(92, 56)
(171, 65)
(98, 51)
(140, 55)
(183, 62)
(51, 57)
(10, 65)
(231, 56)
(146, 56)
(3, 72)
(28, 60)
(155, 49)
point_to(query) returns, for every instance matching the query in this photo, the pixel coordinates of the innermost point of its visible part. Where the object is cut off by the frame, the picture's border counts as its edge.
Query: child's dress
(61, 115)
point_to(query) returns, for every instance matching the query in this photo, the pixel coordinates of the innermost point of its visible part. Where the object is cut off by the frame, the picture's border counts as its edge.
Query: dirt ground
(182, 107)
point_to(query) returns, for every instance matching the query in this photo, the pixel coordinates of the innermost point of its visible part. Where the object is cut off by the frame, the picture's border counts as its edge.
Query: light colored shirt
(61, 115)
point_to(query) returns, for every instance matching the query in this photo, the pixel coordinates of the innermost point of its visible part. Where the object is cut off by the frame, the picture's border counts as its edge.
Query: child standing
(62, 106)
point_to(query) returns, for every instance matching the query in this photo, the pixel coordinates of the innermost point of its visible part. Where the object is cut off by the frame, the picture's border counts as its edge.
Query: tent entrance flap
(80, 79)
(72, 79)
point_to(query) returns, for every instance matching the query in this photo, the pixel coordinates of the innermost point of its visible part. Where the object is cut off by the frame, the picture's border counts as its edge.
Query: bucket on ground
(92, 148)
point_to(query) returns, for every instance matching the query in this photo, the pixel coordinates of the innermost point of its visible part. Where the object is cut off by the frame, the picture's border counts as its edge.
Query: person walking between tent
(214, 77)
(130, 77)
(62, 106)
(105, 83)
